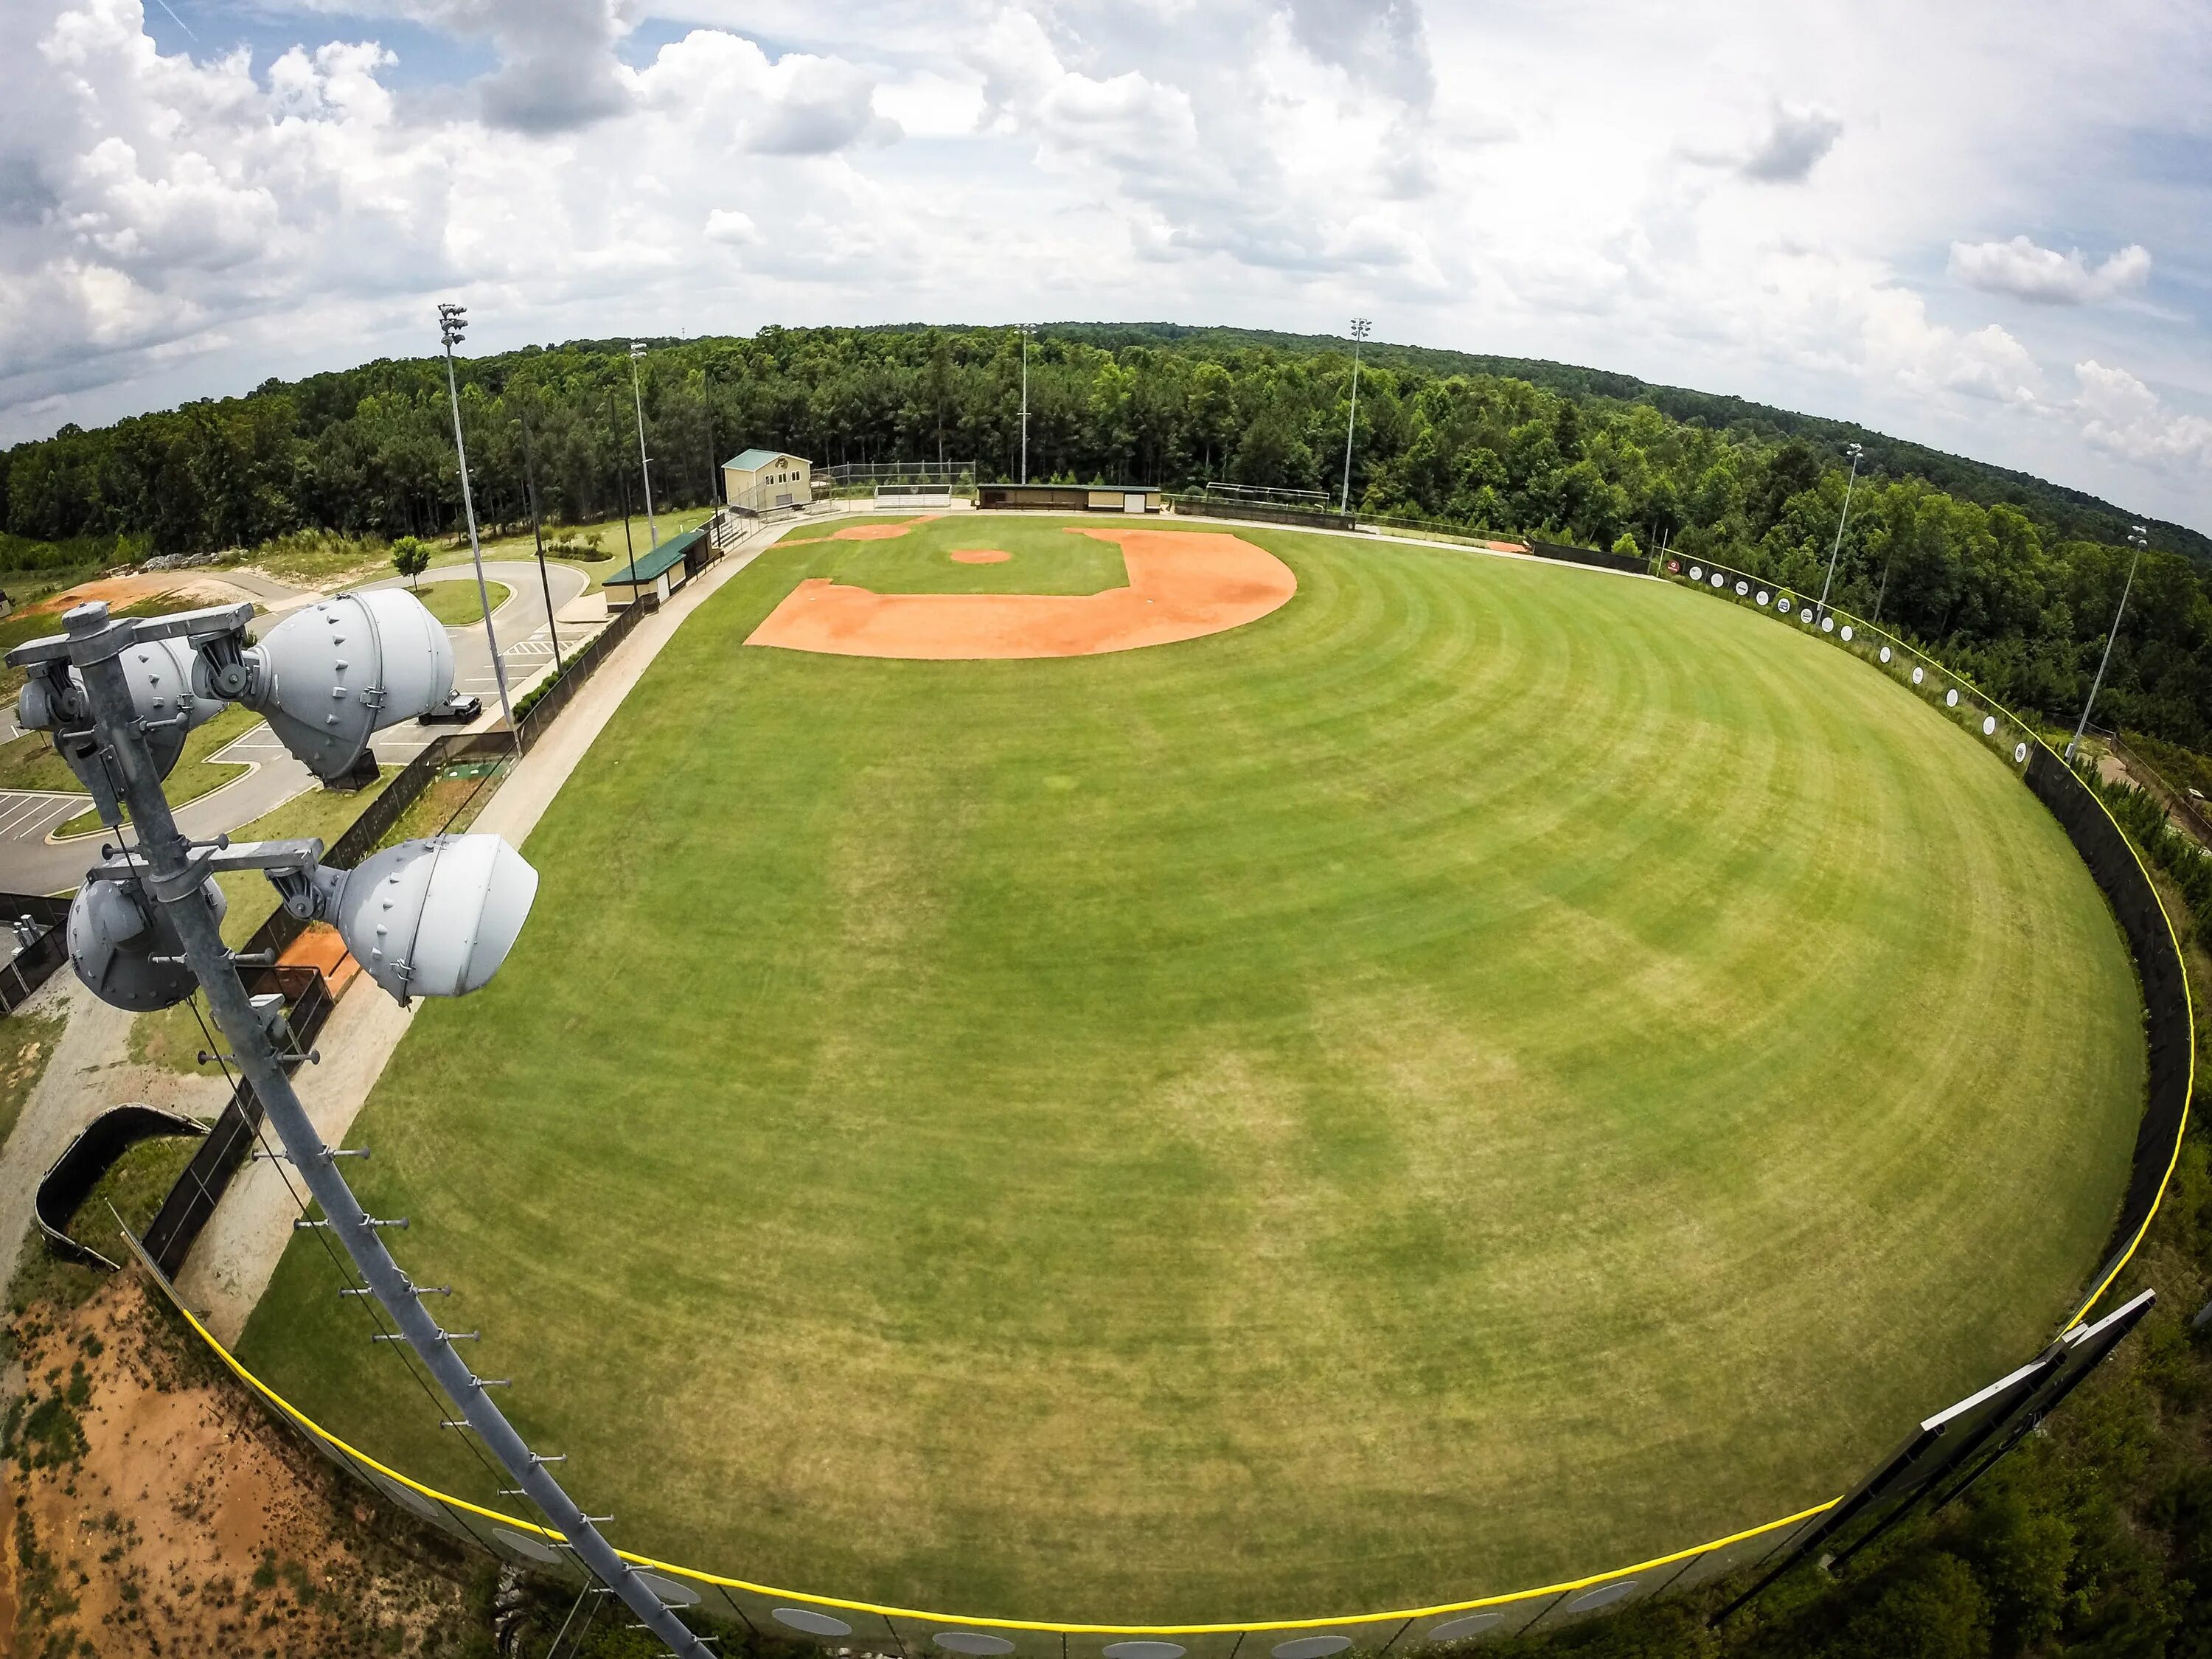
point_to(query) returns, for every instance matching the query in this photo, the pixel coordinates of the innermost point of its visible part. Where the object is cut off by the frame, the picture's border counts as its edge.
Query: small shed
(1069, 498)
(659, 573)
(761, 480)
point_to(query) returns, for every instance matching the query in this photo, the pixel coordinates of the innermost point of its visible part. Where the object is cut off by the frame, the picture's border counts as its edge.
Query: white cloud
(1793, 143)
(2125, 417)
(2028, 271)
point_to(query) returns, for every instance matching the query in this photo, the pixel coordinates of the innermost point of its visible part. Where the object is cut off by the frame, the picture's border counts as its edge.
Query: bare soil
(158, 1512)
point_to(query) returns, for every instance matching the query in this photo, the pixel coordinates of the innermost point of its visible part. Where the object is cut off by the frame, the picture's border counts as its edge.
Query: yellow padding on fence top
(923, 1613)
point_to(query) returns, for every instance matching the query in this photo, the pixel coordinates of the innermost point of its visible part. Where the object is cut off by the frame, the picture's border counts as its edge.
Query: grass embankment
(1488, 1074)
(26, 1044)
(456, 602)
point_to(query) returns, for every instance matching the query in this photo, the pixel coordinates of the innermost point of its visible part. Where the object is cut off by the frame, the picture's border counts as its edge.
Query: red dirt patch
(320, 946)
(117, 591)
(979, 556)
(1183, 586)
(878, 532)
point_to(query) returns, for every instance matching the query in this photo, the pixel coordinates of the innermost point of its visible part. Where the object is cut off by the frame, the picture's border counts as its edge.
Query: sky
(1980, 226)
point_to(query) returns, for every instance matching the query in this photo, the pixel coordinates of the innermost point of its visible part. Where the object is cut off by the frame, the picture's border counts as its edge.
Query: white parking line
(26, 813)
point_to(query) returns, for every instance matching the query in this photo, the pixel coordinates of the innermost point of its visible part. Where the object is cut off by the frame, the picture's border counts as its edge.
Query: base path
(1183, 586)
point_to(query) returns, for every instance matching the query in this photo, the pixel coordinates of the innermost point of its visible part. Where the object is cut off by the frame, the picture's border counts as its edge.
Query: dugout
(659, 573)
(1069, 498)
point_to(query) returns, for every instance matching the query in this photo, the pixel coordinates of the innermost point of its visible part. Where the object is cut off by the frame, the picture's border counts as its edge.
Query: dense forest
(2012, 578)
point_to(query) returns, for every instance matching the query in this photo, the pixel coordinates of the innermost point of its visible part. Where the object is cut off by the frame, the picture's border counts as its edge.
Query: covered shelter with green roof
(657, 575)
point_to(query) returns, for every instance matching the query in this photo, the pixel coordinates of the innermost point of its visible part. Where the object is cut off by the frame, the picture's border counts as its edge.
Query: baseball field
(1481, 1073)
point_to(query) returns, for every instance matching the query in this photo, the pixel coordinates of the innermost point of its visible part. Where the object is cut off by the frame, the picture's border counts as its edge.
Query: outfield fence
(1924, 1461)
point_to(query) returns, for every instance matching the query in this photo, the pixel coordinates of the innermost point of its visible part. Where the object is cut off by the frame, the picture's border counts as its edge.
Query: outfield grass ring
(1104, 1108)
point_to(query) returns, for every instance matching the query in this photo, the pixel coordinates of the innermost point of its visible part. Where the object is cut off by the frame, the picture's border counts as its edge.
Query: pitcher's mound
(1183, 584)
(979, 556)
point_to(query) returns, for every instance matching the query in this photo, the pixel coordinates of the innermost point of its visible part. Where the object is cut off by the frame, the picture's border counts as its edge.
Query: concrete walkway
(236, 1254)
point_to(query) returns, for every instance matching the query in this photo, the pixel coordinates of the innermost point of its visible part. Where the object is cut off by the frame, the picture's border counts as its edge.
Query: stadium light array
(429, 918)
(2138, 538)
(1360, 327)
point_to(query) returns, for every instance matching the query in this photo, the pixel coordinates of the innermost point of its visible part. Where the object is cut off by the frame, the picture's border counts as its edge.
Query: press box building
(762, 479)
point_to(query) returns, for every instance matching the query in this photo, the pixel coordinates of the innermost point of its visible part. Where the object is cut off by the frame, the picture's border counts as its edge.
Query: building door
(1132, 500)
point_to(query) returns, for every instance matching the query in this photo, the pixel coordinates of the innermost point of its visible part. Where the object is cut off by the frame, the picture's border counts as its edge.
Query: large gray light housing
(126, 950)
(159, 673)
(329, 678)
(430, 918)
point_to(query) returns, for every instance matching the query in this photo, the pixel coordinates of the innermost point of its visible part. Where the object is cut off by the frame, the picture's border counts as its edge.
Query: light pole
(538, 534)
(147, 921)
(2138, 538)
(1855, 452)
(1027, 329)
(644, 461)
(1360, 326)
(452, 320)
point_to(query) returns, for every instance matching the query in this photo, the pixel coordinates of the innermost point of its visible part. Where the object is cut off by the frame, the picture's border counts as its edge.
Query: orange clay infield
(979, 556)
(1183, 586)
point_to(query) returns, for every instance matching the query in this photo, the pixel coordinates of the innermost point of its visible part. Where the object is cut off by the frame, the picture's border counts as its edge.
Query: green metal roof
(652, 566)
(753, 460)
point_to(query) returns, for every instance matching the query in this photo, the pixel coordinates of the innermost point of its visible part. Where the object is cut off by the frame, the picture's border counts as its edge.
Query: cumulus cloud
(1381, 44)
(2125, 417)
(2042, 276)
(1792, 145)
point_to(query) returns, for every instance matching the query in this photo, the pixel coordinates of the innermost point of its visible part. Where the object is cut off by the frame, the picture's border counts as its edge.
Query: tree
(410, 558)
(1626, 544)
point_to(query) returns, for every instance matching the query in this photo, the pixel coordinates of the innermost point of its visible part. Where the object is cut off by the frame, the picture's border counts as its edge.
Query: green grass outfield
(1490, 1072)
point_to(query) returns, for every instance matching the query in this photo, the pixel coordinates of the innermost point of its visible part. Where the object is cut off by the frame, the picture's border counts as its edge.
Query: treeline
(2013, 580)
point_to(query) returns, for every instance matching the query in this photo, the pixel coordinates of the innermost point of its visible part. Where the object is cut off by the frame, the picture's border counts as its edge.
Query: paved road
(524, 647)
(30, 863)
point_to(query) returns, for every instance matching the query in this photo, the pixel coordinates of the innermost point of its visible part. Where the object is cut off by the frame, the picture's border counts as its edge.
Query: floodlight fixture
(160, 675)
(431, 918)
(331, 676)
(644, 461)
(1360, 328)
(2139, 539)
(1857, 455)
(125, 949)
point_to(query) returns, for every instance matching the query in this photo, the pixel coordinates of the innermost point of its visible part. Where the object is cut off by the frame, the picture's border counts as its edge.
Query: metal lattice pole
(174, 880)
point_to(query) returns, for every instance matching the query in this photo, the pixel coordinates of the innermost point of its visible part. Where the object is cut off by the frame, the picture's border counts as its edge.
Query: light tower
(644, 461)
(452, 322)
(1027, 329)
(2138, 538)
(1856, 454)
(1360, 326)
